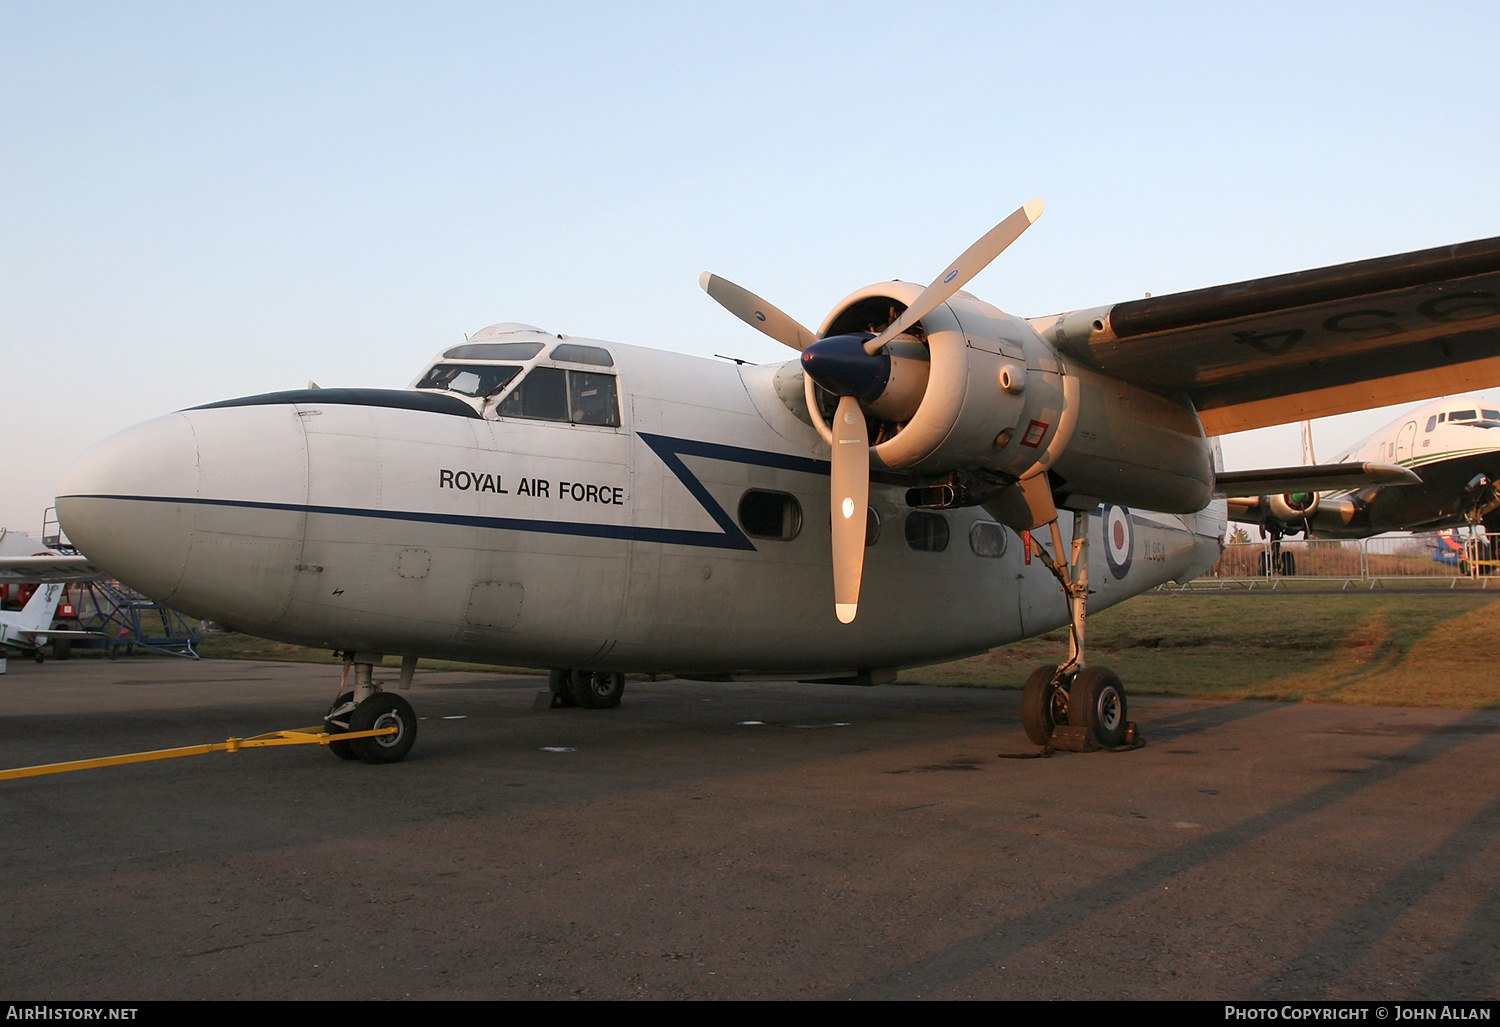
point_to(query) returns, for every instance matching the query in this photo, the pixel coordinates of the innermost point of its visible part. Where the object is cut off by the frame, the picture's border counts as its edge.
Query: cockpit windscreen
(469, 379)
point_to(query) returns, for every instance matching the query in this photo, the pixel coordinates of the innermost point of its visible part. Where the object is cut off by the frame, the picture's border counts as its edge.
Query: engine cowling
(1293, 507)
(998, 402)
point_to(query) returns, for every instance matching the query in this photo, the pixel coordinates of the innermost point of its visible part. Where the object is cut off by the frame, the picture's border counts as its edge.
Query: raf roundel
(1119, 539)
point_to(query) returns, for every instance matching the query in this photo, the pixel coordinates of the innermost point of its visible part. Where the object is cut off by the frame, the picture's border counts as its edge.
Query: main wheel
(1043, 705)
(1288, 565)
(1265, 565)
(1097, 700)
(343, 750)
(596, 690)
(384, 710)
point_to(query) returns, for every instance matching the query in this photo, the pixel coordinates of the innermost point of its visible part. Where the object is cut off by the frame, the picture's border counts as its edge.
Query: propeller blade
(756, 312)
(849, 495)
(973, 261)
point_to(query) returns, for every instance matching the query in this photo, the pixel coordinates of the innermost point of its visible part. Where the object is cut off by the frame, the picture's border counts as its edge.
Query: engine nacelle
(998, 400)
(1293, 508)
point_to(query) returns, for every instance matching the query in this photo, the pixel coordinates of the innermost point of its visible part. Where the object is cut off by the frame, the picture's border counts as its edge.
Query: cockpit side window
(542, 395)
(469, 379)
(592, 399)
(1432, 422)
(556, 394)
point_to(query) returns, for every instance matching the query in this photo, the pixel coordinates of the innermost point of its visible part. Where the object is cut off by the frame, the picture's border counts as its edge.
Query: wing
(1314, 478)
(1310, 344)
(32, 570)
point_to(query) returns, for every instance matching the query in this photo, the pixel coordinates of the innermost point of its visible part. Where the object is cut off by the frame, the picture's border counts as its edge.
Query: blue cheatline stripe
(670, 451)
(674, 536)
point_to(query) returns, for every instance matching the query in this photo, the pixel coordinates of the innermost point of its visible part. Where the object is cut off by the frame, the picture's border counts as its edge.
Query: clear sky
(202, 200)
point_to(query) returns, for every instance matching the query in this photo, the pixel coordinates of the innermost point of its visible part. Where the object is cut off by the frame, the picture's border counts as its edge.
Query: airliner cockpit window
(469, 379)
(1463, 415)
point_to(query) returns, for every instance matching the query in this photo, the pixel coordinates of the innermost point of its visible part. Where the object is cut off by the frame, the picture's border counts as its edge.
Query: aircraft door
(1406, 442)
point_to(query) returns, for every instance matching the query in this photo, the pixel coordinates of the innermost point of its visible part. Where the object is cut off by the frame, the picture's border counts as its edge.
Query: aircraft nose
(120, 503)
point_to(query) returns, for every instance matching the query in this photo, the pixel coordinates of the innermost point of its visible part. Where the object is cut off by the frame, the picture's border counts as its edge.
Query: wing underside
(1314, 478)
(1273, 350)
(45, 568)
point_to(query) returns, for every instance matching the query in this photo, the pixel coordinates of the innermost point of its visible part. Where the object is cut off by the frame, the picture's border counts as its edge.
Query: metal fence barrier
(1371, 562)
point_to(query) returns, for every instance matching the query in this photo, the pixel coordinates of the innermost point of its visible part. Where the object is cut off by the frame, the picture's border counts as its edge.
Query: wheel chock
(1081, 739)
(1073, 739)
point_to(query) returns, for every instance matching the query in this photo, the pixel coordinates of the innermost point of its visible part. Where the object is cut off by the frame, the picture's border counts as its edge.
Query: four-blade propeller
(854, 368)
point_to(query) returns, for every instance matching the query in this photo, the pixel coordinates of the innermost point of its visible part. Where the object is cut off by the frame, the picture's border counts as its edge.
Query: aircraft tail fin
(37, 614)
(1307, 446)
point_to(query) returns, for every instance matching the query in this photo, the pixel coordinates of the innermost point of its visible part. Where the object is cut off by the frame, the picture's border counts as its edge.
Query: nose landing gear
(367, 708)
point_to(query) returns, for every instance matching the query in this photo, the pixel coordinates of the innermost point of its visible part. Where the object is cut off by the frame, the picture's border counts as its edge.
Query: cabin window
(494, 351)
(573, 353)
(469, 379)
(765, 514)
(555, 394)
(987, 539)
(926, 532)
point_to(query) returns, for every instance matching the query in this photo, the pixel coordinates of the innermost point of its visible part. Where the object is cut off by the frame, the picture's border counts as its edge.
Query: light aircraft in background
(597, 508)
(31, 628)
(1451, 451)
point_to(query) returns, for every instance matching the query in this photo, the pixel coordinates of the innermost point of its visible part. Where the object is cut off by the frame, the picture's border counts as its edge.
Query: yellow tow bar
(297, 736)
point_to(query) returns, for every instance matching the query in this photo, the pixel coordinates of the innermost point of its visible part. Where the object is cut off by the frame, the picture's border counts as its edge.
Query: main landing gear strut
(367, 708)
(1074, 706)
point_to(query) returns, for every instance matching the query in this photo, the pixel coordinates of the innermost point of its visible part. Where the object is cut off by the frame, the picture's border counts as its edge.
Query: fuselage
(684, 529)
(1453, 444)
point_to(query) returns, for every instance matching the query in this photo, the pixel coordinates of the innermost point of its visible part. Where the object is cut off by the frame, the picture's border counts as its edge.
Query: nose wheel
(367, 708)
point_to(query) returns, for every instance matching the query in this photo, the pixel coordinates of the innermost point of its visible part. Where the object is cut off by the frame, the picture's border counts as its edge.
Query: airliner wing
(1313, 478)
(1309, 344)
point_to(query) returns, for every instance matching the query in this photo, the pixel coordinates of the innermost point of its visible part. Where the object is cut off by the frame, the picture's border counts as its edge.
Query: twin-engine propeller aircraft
(1452, 455)
(598, 508)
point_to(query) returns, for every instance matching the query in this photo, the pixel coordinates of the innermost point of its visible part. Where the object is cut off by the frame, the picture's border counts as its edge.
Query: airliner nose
(121, 503)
